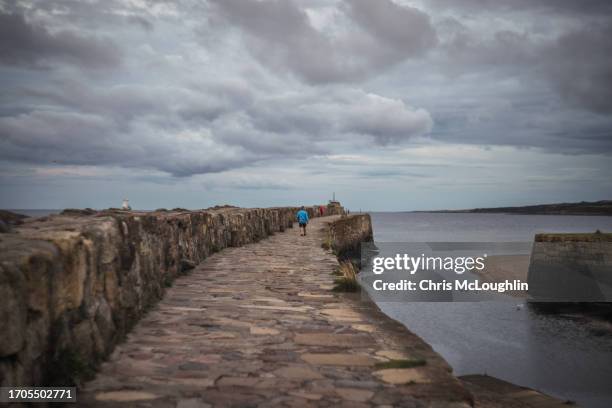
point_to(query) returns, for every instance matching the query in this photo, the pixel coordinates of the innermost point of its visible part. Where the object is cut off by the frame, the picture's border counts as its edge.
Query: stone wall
(334, 208)
(571, 268)
(347, 233)
(72, 285)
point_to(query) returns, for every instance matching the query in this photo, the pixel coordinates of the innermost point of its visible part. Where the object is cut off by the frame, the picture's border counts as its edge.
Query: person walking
(302, 217)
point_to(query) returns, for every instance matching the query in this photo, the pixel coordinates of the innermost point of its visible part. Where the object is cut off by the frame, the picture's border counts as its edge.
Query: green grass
(417, 362)
(347, 278)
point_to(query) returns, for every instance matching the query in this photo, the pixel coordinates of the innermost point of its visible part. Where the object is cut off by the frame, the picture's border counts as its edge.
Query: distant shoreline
(596, 208)
(583, 208)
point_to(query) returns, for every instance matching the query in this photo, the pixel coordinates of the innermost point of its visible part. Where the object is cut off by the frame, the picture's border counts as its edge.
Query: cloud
(141, 21)
(85, 139)
(387, 120)
(341, 113)
(571, 7)
(580, 67)
(186, 131)
(25, 44)
(281, 35)
(405, 30)
(203, 88)
(574, 61)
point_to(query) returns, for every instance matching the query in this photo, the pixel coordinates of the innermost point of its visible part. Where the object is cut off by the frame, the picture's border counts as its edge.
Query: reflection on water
(551, 353)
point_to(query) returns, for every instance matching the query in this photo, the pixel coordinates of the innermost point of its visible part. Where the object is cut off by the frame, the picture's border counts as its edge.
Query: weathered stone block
(73, 284)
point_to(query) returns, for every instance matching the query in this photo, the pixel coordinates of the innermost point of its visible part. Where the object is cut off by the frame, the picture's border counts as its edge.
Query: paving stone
(393, 355)
(354, 394)
(331, 339)
(297, 372)
(315, 295)
(306, 395)
(258, 326)
(280, 308)
(194, 382)
(192, 403)
(346, 315)
(125, 396)
(237, 381)
(193, 366)
(338, 359)
(402, 376)
(368, 328)
(263, 331)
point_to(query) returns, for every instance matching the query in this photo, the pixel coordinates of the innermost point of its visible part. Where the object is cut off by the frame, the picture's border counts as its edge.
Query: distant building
(334, 208)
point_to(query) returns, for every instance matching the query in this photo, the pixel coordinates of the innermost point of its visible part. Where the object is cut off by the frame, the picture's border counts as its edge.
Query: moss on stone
(417, 362)
(347, 280)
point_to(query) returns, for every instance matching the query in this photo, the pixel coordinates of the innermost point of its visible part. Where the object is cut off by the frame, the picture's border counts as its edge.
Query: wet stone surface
(258, 326)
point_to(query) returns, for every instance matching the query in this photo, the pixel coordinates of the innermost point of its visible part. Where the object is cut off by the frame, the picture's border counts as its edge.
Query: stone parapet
(72, 285)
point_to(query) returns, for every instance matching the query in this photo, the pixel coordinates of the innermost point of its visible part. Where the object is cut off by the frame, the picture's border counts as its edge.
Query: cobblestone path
(259, 326)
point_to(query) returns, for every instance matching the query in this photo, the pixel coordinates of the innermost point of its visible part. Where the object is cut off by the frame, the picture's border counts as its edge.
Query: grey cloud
(280, 35)
(388, 120)
(580, 66)
(572, 7)
(83, 139)
(141, 21)
(576, 64)
(22, 43)
(182, 131)
(334, 114)
(402, 28)
(122, 104)
(550, 128)
(200, 109)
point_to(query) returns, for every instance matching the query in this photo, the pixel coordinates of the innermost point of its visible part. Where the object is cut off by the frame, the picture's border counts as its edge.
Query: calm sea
(36, 213)
(554, 354)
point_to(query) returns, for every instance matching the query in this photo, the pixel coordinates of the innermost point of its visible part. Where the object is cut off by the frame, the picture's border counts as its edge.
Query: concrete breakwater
(72, 285)
(571, 268)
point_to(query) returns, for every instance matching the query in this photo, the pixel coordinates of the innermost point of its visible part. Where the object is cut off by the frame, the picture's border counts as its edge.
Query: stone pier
(259, 325)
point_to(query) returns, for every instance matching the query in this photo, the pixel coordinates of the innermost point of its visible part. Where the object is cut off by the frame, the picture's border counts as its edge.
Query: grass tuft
(327, 243)
(417, 362)
(347, 278)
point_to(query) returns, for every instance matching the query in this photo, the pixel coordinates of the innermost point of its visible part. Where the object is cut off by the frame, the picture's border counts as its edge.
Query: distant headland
(603, 207)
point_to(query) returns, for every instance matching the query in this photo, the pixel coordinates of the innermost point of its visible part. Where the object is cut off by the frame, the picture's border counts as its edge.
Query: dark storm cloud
(22, 43)
(280, 34)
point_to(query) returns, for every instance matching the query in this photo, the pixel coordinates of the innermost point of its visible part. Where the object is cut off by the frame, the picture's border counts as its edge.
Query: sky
(391, 104)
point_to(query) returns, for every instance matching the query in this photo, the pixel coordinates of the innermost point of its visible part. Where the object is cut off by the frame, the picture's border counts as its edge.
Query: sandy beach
(506, 267)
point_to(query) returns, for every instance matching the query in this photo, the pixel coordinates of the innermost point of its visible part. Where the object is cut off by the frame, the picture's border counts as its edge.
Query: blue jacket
(302, 217)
